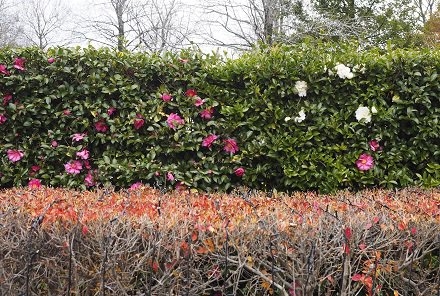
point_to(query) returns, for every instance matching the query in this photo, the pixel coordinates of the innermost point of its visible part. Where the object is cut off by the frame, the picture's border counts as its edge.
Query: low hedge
(147, 242)
(308, 117)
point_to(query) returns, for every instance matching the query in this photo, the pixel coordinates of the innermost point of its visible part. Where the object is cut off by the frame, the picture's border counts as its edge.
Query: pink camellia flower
(170, 176)
(78, 137)
(365, 162)
(207, 142)
(230, 146)
(83, 154)
(15, 155)
(4, 70)
(73, 167)
(135, 186)
(89, 180)
(199, 102)
(138, 123)
(50, 60)
(174, 119)
(207, 113)
(35, 168)
(34, 183)
(191, 93)
(3, 118)
(111, 110)
(6, 99)
(54, 144)
(87, 164)
(166, 97)
(19, 64)
(67, 112)
(239, 172)
(374, 145)
(100, 126)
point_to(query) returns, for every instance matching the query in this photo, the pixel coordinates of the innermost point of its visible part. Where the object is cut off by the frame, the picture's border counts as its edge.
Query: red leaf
(346, 249)
(194, 236)
(401, 225)
(376, 220)
(85, 230)
(348, 233)
(413, 231)
(362, 246)
(357, 277)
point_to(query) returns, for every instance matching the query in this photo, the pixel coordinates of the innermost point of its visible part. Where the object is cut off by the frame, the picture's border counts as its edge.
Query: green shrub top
(309, 117)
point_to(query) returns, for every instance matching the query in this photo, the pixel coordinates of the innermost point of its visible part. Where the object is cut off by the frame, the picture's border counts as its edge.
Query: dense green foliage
(251, 97)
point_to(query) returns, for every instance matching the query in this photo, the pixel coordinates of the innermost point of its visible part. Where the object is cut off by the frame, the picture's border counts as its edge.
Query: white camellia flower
(343, 71)
(301, 88)
(373, 110)
(363, 113)
(287, 119)
(301, 116)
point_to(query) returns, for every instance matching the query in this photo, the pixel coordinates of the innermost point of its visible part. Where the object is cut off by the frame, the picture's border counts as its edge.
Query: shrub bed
(309, 117)
(147, 242)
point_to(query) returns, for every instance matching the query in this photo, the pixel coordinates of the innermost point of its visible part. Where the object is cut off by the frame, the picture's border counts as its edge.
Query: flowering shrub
(294, 118)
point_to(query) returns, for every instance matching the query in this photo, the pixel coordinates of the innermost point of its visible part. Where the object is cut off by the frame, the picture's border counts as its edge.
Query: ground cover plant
(145, 241)
(304, 117)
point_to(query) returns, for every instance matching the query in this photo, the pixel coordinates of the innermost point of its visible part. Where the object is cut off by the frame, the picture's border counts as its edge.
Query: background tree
(11, 33)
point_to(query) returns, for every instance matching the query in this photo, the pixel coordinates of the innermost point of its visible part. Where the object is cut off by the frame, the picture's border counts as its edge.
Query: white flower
(287, 119)
(363, 113)
(373, 110)
(301, 116)
(330, 72)
(343, 71)
(301, 88)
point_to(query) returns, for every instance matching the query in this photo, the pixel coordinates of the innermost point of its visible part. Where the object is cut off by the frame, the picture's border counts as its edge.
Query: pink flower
(365, 162)
(239, 172)
(135, 186)
(78, 137)
(74, 167)
(191, 93)
(199, 102)
(170, 176)
(34, 183)
(174, 119)
(87, 164)
(138, 123)
(84, 154)
(88, 180)
(50, 60)
(166, 97)
(19, 64)
(3, 118)
(4, 70)
(54, 144)
(230, 146)
(15, 155)
(207, 142)
(6, 99)
(374, 145)
(67, 112)
(35, 168)
(100, 126)
(111, 110)
(207, 113)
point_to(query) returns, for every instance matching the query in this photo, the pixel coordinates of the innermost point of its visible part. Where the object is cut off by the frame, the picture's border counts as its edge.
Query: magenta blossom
(239, 172)
(83, 154)
(207, 142)
(89, 180)
(199, 102)
(35, 168)
(19, 64)
(138, 123)
(50, 60)
(15, 155)
(170, 176)
(6, 99)
(207, 113)
(111, 110)
(73, 167)
(174, 119)
(365, 162)
(230, 146)
(191, 93)
(374, 145)
(3, 118)
(4, 70)
(135, 186)
(54, 144)
(100, 126)
(78, 137)
(34, 183)
(166, 97)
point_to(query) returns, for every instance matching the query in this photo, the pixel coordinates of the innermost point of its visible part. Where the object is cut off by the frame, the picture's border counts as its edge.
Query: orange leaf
(194, 236)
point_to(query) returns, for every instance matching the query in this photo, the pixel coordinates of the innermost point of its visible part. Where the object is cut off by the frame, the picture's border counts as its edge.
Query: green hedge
(252, 99)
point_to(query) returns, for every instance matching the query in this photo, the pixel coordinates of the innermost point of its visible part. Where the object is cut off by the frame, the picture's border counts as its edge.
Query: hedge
(307, 117)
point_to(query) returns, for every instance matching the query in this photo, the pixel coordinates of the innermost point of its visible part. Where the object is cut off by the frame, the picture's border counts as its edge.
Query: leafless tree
(44, 21)
(425, 9)
(10, 30)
